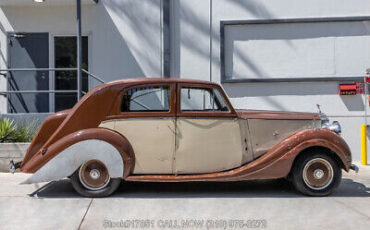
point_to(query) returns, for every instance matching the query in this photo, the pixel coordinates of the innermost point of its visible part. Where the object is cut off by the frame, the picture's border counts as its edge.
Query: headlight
(325, 124)
(335, 126)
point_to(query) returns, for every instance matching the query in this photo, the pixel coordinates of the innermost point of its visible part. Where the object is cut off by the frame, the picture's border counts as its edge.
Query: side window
(202, 99)
(146, 99)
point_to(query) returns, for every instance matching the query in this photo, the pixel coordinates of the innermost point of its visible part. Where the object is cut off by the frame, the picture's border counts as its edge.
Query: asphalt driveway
(271, 204)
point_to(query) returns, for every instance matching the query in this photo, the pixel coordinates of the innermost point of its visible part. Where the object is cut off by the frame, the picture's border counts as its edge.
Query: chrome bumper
(13, 166)
(354, 167)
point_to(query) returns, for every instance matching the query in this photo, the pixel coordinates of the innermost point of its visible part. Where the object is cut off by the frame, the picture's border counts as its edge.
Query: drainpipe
(79, 51)
(166, 39)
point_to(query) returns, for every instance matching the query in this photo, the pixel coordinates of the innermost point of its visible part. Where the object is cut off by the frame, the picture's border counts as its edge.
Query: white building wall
(190, 27)
(126, 39)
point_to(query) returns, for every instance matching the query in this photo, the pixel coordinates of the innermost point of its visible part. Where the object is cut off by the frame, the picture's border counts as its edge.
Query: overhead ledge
(46, 2)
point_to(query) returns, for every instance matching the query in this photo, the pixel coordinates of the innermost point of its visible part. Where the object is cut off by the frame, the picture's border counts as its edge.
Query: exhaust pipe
(14, 166)
(354, 168)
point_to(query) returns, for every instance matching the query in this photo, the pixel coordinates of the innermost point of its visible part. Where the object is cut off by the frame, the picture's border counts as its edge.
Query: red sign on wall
(348, 89)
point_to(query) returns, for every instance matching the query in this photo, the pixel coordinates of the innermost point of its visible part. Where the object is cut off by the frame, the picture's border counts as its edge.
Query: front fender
(320, 138)
(62, 158)
(279, 160)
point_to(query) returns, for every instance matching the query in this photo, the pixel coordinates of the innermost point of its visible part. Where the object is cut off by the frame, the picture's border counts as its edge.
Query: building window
(146, 99)
(202, 100)
(65, 52)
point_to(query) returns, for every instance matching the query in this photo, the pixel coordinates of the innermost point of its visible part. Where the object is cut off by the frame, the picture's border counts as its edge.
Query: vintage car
(177, 130)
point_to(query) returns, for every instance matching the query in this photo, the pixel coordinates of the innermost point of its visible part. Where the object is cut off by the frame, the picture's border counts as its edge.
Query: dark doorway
(65, 49)
(28, 50)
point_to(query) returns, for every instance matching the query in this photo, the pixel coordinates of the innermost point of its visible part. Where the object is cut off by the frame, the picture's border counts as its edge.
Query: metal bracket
(18, 35)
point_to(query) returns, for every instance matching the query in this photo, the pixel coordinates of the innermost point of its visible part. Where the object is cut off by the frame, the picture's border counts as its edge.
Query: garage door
(296, 50)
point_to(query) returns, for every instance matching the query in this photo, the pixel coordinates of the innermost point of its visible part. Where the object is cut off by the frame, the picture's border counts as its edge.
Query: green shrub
(12, 132)
(7, 129)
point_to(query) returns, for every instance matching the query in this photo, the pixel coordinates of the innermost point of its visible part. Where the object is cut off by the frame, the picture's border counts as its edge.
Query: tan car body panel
(246, 141)
(207, 145)
(153, 141)
(202, 145)
(268, 133)
(276, 163)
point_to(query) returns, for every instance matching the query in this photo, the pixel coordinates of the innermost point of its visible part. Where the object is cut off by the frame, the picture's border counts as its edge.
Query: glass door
(65, 56)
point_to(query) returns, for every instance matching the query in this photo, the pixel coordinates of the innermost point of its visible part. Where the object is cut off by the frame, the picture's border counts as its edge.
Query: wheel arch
(324, 149)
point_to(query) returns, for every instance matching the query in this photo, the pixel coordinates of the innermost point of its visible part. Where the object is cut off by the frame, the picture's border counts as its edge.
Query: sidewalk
(167, 206)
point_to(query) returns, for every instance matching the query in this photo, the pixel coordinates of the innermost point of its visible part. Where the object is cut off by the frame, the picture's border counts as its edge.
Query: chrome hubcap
(318, 174)
(95, 174)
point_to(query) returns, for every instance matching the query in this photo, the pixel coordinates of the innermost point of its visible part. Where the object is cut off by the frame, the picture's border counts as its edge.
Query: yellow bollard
(363, 145)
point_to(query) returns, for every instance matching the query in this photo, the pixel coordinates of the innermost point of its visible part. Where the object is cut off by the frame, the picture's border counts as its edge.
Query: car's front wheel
(92, 180)
(316, 174)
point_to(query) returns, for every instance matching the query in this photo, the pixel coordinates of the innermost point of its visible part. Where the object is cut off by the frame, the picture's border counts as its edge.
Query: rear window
(146, 99)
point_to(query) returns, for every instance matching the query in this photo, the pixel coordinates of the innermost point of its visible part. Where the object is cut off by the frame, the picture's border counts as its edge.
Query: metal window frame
(227, 79)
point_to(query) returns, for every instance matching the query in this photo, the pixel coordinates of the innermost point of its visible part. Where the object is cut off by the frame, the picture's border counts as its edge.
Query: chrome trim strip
(136, 118)
(162, 118)
(209, 118)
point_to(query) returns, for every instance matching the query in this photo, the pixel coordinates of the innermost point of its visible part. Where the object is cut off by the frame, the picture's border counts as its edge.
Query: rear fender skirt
(74, 149)
(70, 159)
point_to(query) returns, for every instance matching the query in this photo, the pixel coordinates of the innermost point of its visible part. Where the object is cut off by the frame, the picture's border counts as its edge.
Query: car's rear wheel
(92, 180)
(315, 173)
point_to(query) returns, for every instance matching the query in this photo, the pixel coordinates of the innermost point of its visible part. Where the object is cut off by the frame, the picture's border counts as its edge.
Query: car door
(208, 137)
(147, 119)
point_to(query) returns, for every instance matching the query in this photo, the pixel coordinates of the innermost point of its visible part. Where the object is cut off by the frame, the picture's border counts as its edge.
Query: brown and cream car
(175, 130)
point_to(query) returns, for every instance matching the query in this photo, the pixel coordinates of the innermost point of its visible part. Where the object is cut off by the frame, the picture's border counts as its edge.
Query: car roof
(131, 81)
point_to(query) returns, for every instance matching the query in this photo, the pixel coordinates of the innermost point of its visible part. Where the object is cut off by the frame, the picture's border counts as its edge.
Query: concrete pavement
(271, 204)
